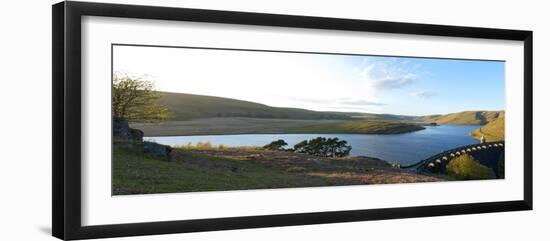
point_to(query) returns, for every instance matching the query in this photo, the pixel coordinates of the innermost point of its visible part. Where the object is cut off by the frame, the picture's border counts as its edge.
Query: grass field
(137, 173)
(239, 125)
(359, 127)
(196, 170)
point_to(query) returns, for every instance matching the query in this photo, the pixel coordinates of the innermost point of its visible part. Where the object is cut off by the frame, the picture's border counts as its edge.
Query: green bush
(277, 145)
(465, 167)
(327, 147)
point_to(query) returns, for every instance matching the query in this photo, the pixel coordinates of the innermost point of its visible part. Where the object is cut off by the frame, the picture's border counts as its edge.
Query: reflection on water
(404, 148)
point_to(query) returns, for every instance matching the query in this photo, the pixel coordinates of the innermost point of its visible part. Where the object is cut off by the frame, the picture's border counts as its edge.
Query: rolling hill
(189, 106)
(464, 118)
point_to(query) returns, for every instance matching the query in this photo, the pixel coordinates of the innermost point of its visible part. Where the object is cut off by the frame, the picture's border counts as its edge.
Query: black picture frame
(66, 75)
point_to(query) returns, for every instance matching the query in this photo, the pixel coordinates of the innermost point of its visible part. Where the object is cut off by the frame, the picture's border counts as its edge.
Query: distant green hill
(492, 131)
(188, 106)
(464, 118)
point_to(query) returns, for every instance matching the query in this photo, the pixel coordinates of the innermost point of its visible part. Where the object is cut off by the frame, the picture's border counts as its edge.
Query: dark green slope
(188, 106)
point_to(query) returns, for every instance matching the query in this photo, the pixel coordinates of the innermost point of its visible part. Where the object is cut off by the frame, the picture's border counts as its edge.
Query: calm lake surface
(406, 148)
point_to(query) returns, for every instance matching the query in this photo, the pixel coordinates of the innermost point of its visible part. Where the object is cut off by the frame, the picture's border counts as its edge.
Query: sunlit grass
(137, 173)
(209, 146)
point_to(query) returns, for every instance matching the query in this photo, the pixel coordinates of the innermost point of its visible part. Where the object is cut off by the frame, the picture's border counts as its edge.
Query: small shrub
(277, 145)
(203, 145)
(465, 167)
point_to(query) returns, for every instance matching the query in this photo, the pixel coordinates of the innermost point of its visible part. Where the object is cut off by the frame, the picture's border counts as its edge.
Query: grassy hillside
(188, 106)
(464, 118)
(493, 131)
(138, 173)
(197, 170)
(359, 127)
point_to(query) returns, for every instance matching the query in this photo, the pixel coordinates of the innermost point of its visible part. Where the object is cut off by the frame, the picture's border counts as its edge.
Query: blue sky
(324, 82)
(428, 86)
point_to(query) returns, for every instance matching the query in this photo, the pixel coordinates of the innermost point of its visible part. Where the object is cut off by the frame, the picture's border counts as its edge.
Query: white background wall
(25, 122)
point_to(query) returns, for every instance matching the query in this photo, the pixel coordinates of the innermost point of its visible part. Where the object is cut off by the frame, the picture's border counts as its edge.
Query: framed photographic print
(170, 120)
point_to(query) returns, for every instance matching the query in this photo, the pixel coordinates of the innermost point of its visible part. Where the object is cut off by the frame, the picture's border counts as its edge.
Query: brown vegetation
(339, 171)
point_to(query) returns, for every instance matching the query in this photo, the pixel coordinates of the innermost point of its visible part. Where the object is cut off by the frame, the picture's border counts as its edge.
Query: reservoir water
(406, 148)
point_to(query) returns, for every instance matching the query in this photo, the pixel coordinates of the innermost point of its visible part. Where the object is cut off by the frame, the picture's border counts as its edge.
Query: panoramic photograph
(189, 119)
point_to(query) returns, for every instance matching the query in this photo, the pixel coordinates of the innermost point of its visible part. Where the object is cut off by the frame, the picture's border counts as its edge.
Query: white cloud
(389, 74)
(424, 94)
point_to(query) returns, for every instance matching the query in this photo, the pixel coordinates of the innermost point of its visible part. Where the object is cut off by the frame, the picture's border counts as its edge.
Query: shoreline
(279, 133)
(247, 126)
